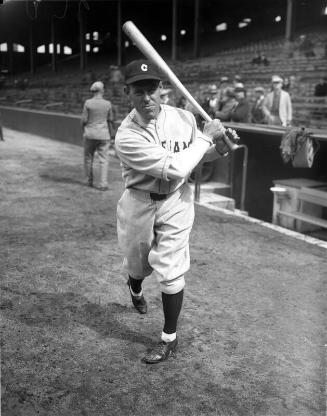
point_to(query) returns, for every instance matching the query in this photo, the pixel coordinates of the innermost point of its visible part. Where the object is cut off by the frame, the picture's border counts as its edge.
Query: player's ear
(160, 86)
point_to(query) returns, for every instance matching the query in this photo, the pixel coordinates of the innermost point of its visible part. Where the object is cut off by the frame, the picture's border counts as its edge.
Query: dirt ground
(252, 326)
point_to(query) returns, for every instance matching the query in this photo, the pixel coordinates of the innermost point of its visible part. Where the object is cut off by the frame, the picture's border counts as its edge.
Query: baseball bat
(148, 50)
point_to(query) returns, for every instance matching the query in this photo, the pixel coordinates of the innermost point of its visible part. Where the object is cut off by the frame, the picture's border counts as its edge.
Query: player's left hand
(214, 129)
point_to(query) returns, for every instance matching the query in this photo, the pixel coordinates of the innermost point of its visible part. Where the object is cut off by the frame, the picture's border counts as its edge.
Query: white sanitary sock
(137, 295)
(168, 337)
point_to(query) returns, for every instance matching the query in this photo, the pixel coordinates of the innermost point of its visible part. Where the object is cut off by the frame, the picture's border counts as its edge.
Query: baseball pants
(154, 235)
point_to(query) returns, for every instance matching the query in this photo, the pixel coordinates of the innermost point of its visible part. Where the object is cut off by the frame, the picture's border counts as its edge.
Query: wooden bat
(148, 50)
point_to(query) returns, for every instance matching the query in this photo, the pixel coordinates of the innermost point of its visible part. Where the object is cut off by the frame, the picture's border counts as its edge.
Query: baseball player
(158, 146)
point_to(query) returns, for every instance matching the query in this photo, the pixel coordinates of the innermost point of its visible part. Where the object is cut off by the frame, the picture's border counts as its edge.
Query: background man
(211, 102)
(257, 114)
(97, 128)
(241, 112)
(277, 105)
(158, 146)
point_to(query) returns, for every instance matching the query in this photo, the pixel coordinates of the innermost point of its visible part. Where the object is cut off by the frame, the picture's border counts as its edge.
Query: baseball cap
(276, 78)
(223, 79)
(97, 86)
(139, 70)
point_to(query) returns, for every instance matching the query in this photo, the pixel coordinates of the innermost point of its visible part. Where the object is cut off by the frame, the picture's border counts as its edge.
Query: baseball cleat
(139, 302)
(161, 352)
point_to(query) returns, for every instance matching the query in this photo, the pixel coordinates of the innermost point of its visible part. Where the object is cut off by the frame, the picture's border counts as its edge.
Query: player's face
(145, 97)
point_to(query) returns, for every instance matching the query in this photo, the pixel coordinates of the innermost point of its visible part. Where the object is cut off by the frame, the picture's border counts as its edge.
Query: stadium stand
(67, 92)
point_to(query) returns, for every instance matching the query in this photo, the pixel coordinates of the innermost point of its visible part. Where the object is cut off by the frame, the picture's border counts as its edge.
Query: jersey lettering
(174, 145)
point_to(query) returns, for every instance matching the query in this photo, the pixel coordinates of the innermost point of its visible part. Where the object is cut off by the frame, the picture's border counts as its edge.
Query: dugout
(264, 166)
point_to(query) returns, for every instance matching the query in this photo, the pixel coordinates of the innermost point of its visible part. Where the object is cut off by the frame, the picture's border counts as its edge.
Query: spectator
(237, 79)
(229, 103)
(321, 88)
(211, 102)
(115, 78)
(221, 91)
(164, 96)
(257, 114)
(256, 59)
(97, 127)
(277, 104)
(260, 59)
(264, 60)
(241, 112)
(306, 46)
(181, 103)
(286, 84)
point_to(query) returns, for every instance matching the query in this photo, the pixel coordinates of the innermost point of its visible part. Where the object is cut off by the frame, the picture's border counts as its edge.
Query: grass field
(252, 329)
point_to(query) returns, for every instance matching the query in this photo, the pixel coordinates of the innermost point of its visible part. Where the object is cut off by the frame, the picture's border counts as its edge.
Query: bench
(312, 196)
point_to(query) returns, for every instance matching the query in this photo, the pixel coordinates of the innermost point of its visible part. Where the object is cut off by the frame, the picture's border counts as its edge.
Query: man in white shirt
(277, 104)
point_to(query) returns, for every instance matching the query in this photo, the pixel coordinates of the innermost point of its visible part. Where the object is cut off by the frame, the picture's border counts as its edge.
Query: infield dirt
(252, 328)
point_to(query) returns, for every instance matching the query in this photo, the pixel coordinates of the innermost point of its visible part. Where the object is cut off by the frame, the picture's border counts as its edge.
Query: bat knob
(231, 138)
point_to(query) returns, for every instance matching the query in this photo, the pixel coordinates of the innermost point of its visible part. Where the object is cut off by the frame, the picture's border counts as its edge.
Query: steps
(211, 193)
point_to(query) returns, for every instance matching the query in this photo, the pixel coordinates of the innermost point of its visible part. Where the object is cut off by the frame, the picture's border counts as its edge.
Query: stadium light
(221, 27)
(163, 37)
(278, 18)
(183, 32)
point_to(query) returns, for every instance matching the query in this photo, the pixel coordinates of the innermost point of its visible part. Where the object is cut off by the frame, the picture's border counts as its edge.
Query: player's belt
(157, 197)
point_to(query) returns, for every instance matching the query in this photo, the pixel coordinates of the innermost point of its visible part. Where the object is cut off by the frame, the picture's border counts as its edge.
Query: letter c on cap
(144, 67)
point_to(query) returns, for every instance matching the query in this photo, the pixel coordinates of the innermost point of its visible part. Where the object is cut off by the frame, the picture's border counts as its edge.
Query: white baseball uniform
(156, 211)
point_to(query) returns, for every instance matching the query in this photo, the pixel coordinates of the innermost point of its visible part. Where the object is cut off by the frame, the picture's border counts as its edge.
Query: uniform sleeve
(149, 158)
(136, 152)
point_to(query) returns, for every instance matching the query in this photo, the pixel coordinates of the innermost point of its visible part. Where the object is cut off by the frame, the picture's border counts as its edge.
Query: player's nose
(146, 97)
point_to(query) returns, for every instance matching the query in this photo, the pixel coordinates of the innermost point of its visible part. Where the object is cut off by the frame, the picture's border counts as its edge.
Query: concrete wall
(57, 126)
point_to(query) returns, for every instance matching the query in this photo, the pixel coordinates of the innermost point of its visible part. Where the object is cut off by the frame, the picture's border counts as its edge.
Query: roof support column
(10, 44)
(290, 20)
(54, 50)
(196, 29)
(31, 48)
(81, 18)
(174, 31)
(119, 34)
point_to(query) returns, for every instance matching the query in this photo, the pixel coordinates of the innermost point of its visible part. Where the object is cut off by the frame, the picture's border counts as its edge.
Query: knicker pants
(154, 236)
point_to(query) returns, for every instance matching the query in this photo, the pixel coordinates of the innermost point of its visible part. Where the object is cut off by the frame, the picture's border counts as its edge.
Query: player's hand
(214, 129)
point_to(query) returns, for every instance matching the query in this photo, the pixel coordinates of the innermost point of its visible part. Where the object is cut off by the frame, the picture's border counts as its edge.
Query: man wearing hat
(158, 146)
(97, 128)
(257, 114)
(277, 104)
(211, 102)
(229, 103)
(164, 96)
(241, 112)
